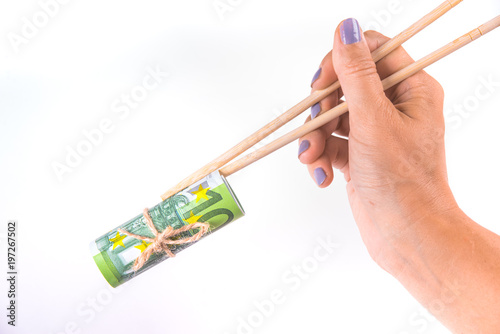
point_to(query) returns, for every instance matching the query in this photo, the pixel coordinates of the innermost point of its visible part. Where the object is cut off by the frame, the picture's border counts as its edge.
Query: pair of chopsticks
(335, 112)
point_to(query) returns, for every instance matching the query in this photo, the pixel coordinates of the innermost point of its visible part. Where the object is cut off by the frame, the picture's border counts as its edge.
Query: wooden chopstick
(342, 108)
(305, 104)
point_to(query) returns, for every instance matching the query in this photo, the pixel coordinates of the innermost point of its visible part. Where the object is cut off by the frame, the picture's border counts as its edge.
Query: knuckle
(359, 66)
(334, 150)
(334, 155)
(426, 88)
(437, 88)
(431, 90)
(378, 37)
(432, 84)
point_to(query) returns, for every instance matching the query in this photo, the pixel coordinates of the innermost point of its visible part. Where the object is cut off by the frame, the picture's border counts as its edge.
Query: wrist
(416, 226)
(419, 203)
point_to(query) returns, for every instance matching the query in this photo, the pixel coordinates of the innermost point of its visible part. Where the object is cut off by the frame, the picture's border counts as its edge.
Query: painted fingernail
(316, 76)
(304, 145)
(319, 176)
(350, 31)
(315, 110)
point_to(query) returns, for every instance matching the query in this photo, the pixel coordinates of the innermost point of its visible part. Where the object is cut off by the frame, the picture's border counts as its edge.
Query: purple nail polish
(316, 75)
(350, 31)
(304, 145)
(315, 110)
(319, 176)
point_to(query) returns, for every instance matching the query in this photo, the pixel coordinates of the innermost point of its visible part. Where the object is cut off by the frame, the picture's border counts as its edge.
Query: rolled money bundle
(210, 200)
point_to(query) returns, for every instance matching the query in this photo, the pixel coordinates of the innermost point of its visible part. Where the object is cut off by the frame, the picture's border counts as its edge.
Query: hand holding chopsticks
(338, 110)
(342, 108)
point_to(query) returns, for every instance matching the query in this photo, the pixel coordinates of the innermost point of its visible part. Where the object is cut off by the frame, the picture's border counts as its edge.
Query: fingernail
(319, 176)
(304, 145)
(350, 31)
(315, 110)
(316, 76)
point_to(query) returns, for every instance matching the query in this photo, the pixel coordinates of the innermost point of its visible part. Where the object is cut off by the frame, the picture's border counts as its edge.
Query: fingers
(339, 126)
(312, 145)
(358, 77)
(337, 150)
(326, 104)
(391, 63)
(411, 90)
(371, 110)
(325, 76)
(328, 77)
(335, 155)
(321, 171)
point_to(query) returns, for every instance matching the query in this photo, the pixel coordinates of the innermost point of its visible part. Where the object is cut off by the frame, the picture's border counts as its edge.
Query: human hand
(394, 158)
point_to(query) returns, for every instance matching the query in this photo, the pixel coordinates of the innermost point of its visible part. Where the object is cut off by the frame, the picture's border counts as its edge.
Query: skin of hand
(390, 148)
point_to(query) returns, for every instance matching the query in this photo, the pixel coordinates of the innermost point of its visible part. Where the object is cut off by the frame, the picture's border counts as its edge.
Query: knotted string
(161, 240)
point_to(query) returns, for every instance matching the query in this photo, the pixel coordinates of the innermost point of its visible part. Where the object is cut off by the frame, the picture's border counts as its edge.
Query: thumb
(358, 75)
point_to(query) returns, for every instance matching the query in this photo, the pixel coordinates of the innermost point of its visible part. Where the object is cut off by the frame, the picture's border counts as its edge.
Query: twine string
(161, 240)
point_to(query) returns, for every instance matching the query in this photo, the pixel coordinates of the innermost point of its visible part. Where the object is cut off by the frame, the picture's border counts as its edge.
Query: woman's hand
(390, 148)
(394, 159)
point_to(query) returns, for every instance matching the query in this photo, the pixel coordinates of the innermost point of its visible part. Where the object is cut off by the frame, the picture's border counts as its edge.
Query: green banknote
(209, 200)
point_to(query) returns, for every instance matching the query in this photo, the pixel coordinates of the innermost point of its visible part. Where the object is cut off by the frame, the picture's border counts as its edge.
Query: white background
(228, 75)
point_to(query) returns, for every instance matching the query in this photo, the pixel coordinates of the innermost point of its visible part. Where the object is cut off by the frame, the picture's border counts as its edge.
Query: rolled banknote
(210, 200)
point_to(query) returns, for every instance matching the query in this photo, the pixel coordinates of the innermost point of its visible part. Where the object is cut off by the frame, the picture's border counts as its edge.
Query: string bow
(161, 241)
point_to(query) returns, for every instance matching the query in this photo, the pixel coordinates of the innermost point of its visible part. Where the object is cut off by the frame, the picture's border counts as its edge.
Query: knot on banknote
(161, 241)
